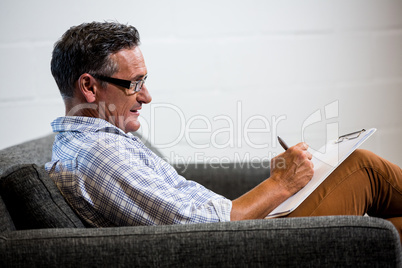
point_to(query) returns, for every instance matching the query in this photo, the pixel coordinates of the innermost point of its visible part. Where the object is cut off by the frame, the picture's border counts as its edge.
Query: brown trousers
(363, 183)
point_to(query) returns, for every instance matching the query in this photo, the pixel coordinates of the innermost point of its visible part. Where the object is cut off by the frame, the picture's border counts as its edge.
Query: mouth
(136, 111)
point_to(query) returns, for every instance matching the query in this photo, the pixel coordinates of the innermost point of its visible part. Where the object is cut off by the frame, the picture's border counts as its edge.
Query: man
(112, 179)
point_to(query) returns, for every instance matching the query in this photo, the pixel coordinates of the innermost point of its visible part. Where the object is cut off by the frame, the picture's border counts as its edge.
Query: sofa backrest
(33, 200)
(38, 151)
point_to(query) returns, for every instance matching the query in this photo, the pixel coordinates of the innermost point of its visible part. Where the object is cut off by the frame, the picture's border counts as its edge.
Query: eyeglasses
(131, 86)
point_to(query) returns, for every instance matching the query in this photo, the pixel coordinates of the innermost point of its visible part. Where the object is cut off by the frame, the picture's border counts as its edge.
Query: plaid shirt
(112, 179)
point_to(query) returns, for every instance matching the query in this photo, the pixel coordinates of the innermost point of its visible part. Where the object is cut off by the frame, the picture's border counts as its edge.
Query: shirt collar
(85, 124)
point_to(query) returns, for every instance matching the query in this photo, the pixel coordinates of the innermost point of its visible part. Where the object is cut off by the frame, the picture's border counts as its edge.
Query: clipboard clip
(350, 136)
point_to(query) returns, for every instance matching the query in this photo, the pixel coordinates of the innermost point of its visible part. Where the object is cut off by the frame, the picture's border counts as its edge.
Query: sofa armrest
(228, 179)
(319, 242)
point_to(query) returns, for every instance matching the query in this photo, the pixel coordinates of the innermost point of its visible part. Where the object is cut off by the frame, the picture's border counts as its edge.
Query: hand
(293, 169)
(290, 171)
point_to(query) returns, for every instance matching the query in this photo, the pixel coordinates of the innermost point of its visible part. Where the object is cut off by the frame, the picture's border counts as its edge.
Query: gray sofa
(39, 229)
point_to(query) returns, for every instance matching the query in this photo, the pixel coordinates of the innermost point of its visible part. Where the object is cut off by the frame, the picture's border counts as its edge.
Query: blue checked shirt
(112, 179)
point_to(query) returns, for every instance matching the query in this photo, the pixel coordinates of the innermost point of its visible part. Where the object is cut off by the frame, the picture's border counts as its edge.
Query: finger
(302, 145)
(308, 167)
(307, 164)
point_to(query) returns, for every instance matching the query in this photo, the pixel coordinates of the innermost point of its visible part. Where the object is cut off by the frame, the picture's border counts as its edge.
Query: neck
(75, 107)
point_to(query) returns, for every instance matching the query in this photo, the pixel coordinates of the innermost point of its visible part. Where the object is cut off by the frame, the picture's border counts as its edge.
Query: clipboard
(325, 161)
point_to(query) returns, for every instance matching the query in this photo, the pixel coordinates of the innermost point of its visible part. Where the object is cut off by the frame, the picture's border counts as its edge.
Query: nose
(143, 95)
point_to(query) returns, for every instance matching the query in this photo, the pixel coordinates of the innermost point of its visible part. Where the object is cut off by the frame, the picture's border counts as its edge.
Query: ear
(88, 86)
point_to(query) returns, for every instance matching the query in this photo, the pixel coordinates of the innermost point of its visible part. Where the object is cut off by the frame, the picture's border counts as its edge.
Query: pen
(282, 143)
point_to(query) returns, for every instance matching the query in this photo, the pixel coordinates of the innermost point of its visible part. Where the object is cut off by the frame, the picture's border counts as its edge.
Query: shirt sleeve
(128, 185)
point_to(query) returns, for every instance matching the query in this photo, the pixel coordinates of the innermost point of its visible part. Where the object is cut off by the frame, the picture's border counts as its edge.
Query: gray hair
(87, 48)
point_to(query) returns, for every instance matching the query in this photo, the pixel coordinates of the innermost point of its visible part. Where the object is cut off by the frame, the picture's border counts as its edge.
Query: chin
(132, 127)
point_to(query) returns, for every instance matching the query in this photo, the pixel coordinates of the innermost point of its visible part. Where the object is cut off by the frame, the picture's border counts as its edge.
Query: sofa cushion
(34, 201)
(6, 223)
(341, 241)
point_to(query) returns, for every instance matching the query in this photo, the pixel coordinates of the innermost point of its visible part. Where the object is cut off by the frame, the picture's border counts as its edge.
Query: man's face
(115, 106)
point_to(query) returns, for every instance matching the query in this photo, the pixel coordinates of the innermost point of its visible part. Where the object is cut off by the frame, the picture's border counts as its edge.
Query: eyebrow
(139, 77)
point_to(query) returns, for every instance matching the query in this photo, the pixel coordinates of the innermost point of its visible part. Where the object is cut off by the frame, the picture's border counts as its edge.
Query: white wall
(224, 67)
